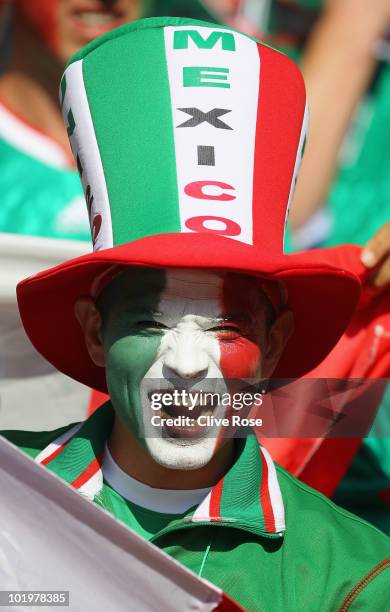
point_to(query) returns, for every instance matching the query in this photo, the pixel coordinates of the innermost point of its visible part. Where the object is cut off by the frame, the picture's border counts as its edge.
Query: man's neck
(133, 459)
(29, 87)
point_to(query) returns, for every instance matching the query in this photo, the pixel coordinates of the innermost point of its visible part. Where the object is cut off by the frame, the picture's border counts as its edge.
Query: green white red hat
(188, 137)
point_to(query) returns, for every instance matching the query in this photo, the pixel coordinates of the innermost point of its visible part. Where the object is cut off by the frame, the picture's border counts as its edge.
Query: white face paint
(189, 358)
(169, 331)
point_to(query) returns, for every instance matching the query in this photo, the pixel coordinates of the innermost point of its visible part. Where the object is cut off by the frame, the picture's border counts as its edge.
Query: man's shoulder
(354, 554)
(33, 442)
(305, 502)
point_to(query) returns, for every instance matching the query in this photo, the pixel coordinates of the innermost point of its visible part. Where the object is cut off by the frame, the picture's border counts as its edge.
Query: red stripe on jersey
(215, 502)
(265, 498)
(89, 471)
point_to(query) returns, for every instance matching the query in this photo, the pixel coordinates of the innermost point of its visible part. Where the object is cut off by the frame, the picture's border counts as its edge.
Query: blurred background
(342, 195)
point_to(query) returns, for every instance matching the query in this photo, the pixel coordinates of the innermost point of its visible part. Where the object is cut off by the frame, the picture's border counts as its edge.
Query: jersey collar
(247, 497)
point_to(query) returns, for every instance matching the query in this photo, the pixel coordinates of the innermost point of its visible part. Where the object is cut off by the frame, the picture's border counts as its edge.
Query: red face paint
(42, 18)
(241, 350)
(242, 339)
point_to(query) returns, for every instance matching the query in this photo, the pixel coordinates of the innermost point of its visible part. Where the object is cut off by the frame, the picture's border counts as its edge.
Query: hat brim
(321, 296)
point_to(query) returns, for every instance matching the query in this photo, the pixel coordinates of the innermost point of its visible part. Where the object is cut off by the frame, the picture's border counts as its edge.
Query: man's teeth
(96, 19)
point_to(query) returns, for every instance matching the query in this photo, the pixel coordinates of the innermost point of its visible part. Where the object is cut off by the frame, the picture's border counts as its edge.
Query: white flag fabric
(51, 538)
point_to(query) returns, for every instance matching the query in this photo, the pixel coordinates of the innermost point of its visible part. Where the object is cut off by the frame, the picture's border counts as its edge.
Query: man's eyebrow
(231, 317)
(139, 305)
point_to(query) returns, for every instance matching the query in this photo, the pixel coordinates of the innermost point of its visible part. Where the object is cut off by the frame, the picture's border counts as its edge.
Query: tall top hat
(188, 138)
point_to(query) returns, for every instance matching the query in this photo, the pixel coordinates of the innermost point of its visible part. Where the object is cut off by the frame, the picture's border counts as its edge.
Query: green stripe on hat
(127, 86)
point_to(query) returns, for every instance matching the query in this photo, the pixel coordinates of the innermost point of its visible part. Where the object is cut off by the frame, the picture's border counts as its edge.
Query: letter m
(182, 37)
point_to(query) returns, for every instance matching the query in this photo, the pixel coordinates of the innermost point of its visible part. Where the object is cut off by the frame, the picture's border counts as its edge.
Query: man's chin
(181, 453)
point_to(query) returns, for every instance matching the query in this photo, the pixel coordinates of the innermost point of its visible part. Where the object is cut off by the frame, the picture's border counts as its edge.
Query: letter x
(212, 117)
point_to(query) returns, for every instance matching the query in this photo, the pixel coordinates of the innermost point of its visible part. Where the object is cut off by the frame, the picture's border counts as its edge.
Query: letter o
(229, 227)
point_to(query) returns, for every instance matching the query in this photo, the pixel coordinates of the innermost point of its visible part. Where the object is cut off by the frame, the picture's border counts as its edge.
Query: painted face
(179, 330)
(67, 25)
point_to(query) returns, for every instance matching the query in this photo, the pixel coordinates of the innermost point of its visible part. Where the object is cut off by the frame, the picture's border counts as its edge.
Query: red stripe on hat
(280, 113)
(265, 498)
(215, 502)
(89, 471)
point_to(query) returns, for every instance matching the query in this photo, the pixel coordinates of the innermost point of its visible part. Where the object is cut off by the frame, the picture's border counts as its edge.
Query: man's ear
(91, 323)
(278, 336)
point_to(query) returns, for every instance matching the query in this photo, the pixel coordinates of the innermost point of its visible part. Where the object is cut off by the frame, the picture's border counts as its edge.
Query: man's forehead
(184, 283)
(186, 291)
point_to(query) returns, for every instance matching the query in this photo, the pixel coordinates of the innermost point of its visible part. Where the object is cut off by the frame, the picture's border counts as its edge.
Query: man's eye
(151, 325)
(226, 328)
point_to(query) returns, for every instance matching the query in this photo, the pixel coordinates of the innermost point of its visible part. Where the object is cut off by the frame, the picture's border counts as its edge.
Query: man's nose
(186, 358)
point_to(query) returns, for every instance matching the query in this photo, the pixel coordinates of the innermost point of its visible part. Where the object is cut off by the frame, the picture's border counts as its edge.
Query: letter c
(195, 190)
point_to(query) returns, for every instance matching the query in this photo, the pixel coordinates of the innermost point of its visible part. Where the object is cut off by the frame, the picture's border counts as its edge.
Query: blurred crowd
(343, 191)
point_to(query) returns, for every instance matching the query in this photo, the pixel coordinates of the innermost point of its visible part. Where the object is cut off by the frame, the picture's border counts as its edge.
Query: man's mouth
(91, 22)
(96, 19)
(184, 409)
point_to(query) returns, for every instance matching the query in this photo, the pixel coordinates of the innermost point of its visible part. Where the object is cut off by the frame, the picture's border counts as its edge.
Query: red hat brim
(321, 296)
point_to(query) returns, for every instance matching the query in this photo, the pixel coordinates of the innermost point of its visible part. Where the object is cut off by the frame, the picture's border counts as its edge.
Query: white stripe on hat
(298, 160)
(84, 145)
(275, 493)
(233, 149)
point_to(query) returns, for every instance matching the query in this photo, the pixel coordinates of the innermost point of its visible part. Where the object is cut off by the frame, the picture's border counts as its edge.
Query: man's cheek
(127, 362)
(240, 359)
(132, 356)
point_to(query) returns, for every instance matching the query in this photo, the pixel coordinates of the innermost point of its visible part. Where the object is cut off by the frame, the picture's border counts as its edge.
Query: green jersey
(269, 541)
(41, 191)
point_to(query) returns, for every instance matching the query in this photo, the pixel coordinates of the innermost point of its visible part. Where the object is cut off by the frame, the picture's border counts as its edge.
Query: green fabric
(140, 178)
(143, 521)
(365, 488)
(47, 202)
(323, 555)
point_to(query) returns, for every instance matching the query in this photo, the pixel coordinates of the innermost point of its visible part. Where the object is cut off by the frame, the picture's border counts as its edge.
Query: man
(188, 138)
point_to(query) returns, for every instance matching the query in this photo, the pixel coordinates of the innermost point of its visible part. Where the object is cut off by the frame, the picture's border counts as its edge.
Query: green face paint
(130, 343)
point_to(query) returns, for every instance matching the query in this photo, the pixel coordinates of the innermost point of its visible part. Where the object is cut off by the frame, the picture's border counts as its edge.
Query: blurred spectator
(343, 190)
(41, 192)
(33, 142)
